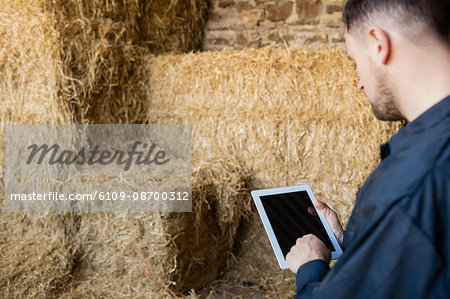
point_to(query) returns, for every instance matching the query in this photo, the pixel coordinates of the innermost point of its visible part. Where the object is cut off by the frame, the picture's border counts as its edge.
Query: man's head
(375, 30)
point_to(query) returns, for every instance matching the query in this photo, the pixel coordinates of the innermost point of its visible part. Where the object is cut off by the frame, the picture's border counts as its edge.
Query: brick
(333, 8)
(252, 16)
(226, 3)
(219, 41)
(334, 2)
(332, 20)
(309, 9)
(240, 6)
(287, 37)
(241, 39)
(267, 25)
(317, 38)
(340, 40)
(303, 22)
(274, 36)
(279, 12)
(254, 39)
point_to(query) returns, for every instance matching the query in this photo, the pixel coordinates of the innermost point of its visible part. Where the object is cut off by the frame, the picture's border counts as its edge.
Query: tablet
(284, 214)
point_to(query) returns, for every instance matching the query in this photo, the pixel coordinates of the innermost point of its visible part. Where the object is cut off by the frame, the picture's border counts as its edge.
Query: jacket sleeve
(310, 275)
(393, 258)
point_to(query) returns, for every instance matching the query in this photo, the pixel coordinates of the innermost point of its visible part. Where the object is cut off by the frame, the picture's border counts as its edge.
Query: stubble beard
(384, 105)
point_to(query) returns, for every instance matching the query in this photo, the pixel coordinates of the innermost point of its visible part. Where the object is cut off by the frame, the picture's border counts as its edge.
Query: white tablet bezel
(268, 227)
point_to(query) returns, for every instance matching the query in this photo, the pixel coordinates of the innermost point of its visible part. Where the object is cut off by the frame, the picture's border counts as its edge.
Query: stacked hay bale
(288, 116)
(83, 61)
(28, 68)
(184, 250)
(36, 252)
(260, 118)
(104, 46)
(101, 54)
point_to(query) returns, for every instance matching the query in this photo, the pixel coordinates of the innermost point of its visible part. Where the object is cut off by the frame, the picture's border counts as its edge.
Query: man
(397, 242)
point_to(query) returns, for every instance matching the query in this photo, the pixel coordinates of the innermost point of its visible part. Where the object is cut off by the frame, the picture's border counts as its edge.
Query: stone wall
(238, 24)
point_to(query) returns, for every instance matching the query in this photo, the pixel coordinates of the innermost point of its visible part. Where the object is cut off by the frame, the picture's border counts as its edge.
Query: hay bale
(100, 50)
(28, 69)
(36, 252)
(185, 250)
(110, 264)
(289, 116)
(82, 61)
(101, 57)
(105, 46)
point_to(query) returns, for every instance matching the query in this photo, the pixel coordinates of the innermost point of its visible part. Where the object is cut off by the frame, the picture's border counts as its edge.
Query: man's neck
(422, 77)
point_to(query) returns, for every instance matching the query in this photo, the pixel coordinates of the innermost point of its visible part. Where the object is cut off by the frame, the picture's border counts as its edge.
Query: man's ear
(379, 44)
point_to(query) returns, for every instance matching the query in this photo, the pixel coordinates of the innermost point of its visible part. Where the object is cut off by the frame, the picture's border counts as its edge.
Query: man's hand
(331, 217)
(306, 249)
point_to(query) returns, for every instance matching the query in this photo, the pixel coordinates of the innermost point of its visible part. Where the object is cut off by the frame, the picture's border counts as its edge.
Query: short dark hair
(434, 14)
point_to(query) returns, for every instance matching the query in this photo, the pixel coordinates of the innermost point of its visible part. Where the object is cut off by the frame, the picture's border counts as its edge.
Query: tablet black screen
(288, 214)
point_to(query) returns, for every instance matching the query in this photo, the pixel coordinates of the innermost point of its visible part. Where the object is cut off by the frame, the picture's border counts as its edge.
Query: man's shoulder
(405, 170)
(427, 192)
(418, 188)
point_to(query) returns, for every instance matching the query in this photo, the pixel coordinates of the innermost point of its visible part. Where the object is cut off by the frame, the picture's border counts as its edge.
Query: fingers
(323, 207)
(307, 237)
(307, 248)
(318, 204)
(312, 211)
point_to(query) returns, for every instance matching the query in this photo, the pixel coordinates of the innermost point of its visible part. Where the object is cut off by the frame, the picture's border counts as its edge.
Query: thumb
(318, 204)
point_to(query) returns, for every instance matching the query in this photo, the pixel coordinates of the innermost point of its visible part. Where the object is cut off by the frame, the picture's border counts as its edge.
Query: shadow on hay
(204, 239)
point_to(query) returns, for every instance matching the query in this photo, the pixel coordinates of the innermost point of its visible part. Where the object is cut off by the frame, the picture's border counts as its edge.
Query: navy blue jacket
(397, 242)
